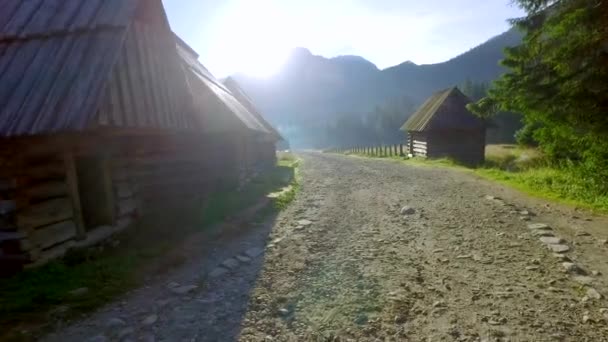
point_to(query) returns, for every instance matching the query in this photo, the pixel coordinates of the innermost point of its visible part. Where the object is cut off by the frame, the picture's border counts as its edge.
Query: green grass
(145, 248)
(525, 169)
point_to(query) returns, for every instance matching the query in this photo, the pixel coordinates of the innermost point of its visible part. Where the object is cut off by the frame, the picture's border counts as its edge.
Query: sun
(254, 38)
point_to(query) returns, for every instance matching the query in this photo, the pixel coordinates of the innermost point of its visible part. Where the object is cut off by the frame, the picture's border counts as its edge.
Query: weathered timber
(45, 213)
(46, 190)
(72, 183)
(54, 234)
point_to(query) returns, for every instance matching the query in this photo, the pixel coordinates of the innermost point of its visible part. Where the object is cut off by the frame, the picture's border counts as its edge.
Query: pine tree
(558, 79)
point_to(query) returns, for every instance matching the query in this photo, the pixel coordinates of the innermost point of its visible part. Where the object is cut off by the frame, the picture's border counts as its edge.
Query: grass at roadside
(526, 170)
(110, 270)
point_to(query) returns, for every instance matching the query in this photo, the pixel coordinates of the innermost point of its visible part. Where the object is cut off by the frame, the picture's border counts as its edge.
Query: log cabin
(97, 119)
(267, 147)
(444, 128)
(247, 139)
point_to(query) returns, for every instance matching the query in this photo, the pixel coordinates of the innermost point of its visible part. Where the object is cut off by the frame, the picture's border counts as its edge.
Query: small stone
(80, 291)
(581, 233)
(304, 223)
(604, 242)
(532, 268)
(115, 322)
(98, 338)
(464, 256)
(586, 319)
(573, 268)
(407, 210)
(491, 198)
(161, 303)
(525, 213)
(561, 256)
(525, 218)
(559, 248)
(539, 226)
(596, 273)
(172, 285)
(254, 252)
(541, 233)
(150, 320)
(583, 280)
(147, 338)
(399, 319)
(551, 240)
(218, 272)
(180, 290)
(230, 264)
(125, 332)
(243, 259)
(593, 294)
(283, 312)
(438, 303)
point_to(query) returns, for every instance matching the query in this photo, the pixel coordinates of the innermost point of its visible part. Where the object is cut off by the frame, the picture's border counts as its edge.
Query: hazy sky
(255, 36)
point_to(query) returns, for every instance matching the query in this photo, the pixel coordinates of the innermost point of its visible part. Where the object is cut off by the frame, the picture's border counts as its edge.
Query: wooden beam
(72, 181)
(54, 234)
(108, 189)
(44, 213)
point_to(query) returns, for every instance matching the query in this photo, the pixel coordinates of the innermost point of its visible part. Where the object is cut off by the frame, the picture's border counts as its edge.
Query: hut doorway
(95, 190)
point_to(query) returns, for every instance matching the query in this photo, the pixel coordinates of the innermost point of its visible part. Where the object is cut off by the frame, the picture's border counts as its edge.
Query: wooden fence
(397, 150)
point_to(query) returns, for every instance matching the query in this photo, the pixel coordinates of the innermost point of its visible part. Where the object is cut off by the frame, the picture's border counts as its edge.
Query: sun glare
(253, 38)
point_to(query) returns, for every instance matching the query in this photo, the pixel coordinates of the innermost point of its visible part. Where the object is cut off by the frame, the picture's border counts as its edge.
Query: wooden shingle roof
(54, 59)
(446, 109)
(240, 94)
(220, 110)
(58, 59)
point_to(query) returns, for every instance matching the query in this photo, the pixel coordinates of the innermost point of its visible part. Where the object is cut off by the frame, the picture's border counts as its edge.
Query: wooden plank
(54, 234)
(45, 171)
(45, 213)
(72, 183)
(10, 236)
(43, 257)
(46, 190)
(108, 189)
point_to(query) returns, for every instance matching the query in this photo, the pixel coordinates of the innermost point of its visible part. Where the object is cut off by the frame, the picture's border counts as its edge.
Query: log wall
(42, 212)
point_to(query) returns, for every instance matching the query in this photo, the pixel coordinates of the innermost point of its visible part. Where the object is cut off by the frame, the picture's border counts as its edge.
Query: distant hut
(237, 132)
(443, 127)
(267, 146)
(95, 120)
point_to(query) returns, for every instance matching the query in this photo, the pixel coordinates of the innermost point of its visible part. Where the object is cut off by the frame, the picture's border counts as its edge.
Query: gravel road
(375, 250)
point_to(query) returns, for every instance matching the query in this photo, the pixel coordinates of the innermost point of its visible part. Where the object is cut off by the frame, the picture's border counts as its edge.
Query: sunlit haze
(255, 37)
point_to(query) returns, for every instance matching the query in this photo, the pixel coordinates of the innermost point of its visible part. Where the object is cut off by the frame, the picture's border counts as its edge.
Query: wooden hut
(239, 133)
(266, 146)
(443, 127)
(95, 120)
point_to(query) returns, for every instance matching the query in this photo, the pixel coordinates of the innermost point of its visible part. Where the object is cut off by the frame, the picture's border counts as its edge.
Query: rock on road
(467, 261)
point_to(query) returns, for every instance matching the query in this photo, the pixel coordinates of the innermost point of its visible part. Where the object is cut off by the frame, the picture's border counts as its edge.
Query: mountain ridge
(312, 90)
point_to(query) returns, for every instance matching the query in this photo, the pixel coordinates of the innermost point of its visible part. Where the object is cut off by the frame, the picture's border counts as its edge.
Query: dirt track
(462, 267)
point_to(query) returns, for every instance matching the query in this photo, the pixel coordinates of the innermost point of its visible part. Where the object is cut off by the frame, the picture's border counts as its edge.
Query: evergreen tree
(558, 80)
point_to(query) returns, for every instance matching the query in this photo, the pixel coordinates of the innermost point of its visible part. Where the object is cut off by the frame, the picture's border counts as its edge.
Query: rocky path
(378, 251)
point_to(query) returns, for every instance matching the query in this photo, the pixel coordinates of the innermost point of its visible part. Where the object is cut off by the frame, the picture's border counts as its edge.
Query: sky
(256, 36)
